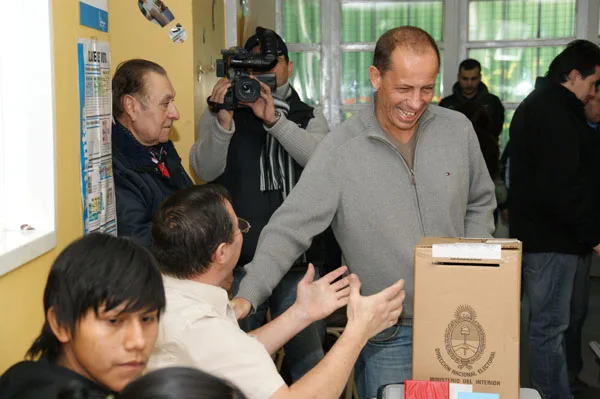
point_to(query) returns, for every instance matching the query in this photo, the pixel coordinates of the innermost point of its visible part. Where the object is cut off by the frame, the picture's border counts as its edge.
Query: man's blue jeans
(549, 280)
(579, 310)
(386, 359)
(303, 351)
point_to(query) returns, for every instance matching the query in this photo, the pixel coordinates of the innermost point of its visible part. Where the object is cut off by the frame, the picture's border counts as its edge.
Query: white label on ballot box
(467, 251)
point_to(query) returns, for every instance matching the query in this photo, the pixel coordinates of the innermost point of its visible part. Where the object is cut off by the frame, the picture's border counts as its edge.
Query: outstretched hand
(318, 299)
(369, 315)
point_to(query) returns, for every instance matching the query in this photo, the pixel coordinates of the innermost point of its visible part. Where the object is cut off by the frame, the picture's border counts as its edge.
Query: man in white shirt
(197, 239)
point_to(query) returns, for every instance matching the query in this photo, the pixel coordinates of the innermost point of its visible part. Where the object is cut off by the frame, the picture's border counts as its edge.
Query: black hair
(180, 383)
(129, 79)
(165, 383)
(97, 270)
(188, 227)
(581, 55)
(409, 37)
(282, 49)
(469, 64)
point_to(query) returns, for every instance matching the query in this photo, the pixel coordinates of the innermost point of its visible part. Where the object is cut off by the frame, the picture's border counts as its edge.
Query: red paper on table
(426, 389)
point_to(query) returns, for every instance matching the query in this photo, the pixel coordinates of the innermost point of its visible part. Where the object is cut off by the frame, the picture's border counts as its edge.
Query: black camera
(235, 65)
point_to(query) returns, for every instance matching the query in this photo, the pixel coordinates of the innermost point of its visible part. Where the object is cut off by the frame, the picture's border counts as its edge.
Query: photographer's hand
(224, 117)
(263, 107)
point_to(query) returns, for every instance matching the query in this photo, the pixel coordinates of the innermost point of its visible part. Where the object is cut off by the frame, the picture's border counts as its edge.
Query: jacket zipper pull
(412, 177)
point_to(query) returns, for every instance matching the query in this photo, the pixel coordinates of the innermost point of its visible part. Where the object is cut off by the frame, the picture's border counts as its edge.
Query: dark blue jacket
(139, 186)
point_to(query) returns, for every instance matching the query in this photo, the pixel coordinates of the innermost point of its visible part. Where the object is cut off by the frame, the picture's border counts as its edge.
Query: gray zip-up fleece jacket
(378, 208)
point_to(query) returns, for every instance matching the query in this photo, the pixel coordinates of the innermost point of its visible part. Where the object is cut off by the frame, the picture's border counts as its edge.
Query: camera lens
(247, 90)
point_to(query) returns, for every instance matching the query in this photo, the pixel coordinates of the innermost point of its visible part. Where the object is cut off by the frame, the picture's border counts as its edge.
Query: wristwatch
(277, 117)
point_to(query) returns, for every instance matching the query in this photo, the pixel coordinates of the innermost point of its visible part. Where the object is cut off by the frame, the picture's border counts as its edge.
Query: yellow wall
(133, 36)
(207, 49)
(21, 290)
(262, 13)
(130, 35)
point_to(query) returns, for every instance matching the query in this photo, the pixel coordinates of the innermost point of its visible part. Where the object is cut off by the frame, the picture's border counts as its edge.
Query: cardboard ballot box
(466, 313)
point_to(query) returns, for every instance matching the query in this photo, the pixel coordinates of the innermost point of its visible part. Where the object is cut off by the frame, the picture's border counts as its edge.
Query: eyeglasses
(243, 225)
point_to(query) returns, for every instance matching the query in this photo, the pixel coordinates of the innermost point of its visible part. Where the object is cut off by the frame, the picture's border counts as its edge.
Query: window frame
(28, 193)
(583, 27)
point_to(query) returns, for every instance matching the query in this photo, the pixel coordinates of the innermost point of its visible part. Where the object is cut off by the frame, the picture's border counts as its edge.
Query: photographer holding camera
(257, 150)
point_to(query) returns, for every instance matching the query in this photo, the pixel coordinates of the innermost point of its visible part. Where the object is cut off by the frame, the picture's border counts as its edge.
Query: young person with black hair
(102, 302)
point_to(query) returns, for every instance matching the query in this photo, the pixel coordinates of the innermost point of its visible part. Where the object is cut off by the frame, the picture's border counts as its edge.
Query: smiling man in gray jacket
(390, 175)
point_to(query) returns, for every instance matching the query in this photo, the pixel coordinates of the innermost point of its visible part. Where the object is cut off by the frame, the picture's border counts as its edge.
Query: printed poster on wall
(94, 13)
(95, 104)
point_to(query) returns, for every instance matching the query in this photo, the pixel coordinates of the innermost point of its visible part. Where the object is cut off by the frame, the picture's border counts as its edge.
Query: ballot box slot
(446, 263)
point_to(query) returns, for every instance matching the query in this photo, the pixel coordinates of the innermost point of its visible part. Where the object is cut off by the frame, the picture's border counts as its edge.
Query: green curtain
(301, 21)
(521, 19)
(509, 72)
(306, 78)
